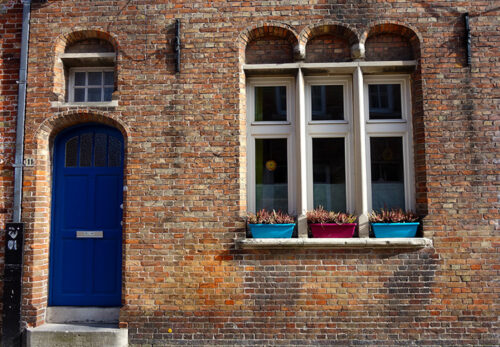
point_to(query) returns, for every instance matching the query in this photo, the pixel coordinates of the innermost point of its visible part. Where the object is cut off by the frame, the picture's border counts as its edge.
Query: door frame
(55, 157)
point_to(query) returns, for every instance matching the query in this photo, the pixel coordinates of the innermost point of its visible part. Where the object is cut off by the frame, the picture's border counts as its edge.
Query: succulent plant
(269, 217)
(393, 216)
(321, 216)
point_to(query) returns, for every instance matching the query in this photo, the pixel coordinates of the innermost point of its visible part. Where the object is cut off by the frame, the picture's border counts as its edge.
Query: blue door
(86, 239)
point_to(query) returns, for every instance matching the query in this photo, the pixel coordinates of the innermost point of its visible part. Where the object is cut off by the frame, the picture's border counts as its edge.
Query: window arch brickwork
(83, 41)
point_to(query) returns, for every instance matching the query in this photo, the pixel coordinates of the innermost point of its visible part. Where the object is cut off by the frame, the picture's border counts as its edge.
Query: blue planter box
(267, 231)
(382, 230)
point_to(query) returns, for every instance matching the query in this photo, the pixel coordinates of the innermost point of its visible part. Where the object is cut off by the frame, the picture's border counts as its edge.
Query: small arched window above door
(89, 66)
(93, 150)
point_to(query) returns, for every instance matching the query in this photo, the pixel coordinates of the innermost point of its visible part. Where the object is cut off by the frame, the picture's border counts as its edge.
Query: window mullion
(360, 157)
(102, 85)
(301, 143)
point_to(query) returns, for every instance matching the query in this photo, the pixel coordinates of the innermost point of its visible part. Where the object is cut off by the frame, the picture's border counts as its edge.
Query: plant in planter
(328, 224)
(270, 224)
(394, 223)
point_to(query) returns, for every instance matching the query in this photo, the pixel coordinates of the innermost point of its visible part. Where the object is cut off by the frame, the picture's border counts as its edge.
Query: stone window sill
(334, 243)
(112, 103)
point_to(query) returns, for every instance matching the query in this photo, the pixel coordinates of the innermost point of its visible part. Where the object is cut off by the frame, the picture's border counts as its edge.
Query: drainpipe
(14, 232)
(21, 110)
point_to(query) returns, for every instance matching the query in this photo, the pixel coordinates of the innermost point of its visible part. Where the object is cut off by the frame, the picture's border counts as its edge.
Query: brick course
(327, 48)
(10, 50)
(185, 164)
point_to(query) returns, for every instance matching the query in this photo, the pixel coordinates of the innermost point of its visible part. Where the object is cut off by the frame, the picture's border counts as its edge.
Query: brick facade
(10, 50)
(186, 170)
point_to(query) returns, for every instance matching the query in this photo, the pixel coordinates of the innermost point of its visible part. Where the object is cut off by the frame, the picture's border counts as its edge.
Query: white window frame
(271, 130)
(403, 81)
(330, 129)
(71, 84)
(392, 128)
(356, 111)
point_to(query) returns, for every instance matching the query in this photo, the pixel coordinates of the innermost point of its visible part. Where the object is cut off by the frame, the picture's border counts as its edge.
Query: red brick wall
(327, 48)
(185, 158)
(269, 50)
(388, 47)
(10, 49)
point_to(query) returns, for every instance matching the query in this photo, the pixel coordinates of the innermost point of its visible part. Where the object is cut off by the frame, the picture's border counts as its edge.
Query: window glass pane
(271, 174)
(95, 78)
(100, 150)
(329, 189)
(71, 155)
(270, 103)
(114, 152)
(108, 93)
(79, 95)
(386, 155)
(385, 101)
(327, 102)
(86, 150)
(79, 78)
(94, 94)
(109, 78)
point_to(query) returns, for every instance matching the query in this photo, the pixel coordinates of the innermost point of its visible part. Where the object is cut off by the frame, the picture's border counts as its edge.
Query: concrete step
(77, 335)
(87, 315)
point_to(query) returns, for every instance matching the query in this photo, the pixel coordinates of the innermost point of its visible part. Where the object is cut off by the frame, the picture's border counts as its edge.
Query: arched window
(88, 64)
(329, 131)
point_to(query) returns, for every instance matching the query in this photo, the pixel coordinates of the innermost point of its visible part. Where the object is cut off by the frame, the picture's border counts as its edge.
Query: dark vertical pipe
(177, 46)
(12, 287)
(21, 109)
(467, 39)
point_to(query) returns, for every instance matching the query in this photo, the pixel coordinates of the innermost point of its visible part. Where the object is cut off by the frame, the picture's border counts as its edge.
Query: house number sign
(14, 243)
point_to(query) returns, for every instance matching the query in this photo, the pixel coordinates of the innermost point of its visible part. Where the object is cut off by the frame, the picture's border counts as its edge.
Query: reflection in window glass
(79, 95)
(271, 174)
(109, 78)
(270, 103)
(94, 94)
(95, 78)
(86, 150)
(114, 152)
(327, 102)
(387, 170)
(71, 155)
(384, 101)
(79, 78)
(108, 93)
(100, 150)
(329, 188)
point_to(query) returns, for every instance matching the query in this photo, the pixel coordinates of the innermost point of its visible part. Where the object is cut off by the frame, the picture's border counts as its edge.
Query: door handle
(89, 234)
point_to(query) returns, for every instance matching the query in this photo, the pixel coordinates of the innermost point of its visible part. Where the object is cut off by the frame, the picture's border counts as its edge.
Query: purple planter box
(270, 231)
(382, 230)
(332, 230)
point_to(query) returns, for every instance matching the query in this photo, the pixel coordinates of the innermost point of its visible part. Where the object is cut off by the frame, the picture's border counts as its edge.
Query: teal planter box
(269, 231)
(383, 230)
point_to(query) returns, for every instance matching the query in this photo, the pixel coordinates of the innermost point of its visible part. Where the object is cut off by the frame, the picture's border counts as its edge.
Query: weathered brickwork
(10, 49)
(327, 48)
(272, 50)
(388, 47)
(185, 171)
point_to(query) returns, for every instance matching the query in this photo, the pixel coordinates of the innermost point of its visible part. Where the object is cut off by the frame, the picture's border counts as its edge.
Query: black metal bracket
(467, 39)
(177, 45)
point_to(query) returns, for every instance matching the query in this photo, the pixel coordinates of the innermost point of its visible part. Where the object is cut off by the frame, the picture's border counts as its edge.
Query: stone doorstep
(86, 315)
(76, 335)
